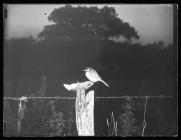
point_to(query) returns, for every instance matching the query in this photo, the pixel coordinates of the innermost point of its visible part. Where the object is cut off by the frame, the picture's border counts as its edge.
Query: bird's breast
(91, 77)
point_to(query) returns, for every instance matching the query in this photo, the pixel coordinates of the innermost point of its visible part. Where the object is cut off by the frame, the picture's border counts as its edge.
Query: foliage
(45, 121)
(70, 121)
(24, 65)
(127, 120)
(9, 120)
(86, 23)
(56, 124)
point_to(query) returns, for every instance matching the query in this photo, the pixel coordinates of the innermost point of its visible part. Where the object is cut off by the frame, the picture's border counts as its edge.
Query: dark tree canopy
(87, 23)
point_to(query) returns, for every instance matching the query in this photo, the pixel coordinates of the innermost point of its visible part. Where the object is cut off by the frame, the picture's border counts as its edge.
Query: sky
(152, 22)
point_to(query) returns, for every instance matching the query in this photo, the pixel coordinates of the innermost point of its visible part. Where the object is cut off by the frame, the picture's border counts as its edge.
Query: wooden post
(84, 107)
(21, 108)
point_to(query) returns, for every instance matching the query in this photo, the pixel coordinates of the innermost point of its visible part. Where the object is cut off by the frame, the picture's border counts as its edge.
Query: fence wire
(72, 98)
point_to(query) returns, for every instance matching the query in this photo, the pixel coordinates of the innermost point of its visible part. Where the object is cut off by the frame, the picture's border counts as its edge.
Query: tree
(18, 62)
(86, 23)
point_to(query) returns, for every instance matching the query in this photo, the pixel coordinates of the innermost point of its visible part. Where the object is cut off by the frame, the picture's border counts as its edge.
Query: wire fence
(72, 98)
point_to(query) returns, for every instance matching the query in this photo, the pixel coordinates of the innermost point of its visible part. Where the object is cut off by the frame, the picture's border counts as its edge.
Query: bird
(93, 76)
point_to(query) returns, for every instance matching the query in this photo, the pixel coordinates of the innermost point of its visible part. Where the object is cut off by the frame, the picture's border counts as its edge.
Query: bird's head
(87, 69)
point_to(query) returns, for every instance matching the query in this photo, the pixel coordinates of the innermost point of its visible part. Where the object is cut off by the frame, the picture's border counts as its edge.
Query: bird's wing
(95, 74)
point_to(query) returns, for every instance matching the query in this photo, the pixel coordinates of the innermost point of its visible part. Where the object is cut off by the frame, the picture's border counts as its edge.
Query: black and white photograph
(99, 70)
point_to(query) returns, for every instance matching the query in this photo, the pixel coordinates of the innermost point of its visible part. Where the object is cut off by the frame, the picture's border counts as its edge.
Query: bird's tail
(105, 83)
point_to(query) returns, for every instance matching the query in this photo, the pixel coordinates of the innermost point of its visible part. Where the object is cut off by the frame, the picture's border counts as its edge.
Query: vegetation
(86, 23)
(127, 121)
(112, 126)
(56, 122)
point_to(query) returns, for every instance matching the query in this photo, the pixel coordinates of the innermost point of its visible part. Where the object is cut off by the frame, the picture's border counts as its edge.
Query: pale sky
(152, 22)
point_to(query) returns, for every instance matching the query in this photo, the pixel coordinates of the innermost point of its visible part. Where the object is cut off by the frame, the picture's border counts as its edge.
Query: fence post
(84, 106)
(21, 109)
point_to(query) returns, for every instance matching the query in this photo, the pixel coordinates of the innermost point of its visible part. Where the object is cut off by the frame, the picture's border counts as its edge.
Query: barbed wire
(56, 97)
(118, 97)
(72, 98)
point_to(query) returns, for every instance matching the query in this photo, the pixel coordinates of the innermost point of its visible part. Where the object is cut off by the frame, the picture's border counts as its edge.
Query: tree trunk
(84, 106)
